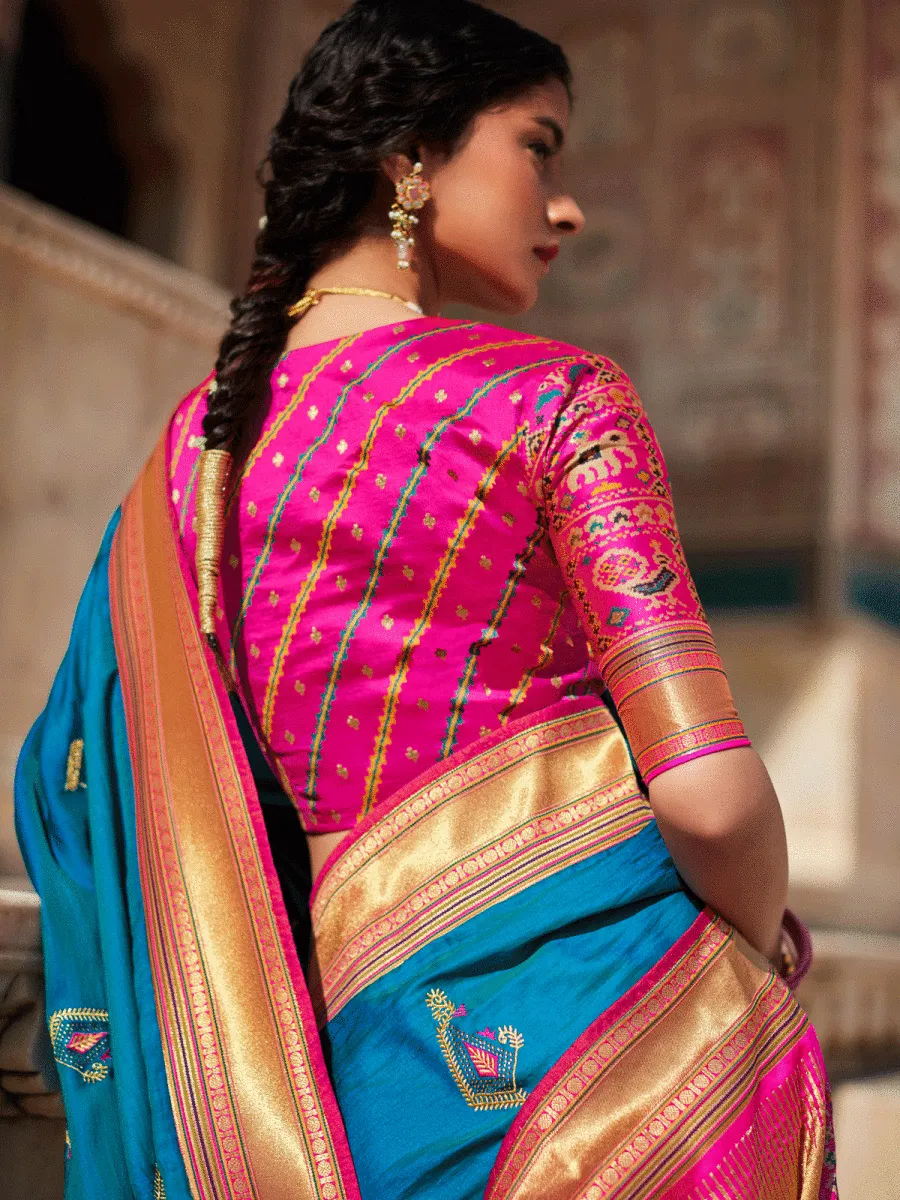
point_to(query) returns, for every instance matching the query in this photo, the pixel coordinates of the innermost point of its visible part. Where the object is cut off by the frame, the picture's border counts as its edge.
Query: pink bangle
(796, 950)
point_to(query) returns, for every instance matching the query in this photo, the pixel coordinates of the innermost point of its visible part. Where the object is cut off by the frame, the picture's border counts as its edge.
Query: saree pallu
(510, 993)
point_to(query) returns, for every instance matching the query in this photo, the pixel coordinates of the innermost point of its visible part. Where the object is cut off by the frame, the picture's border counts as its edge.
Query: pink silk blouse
(443, 526)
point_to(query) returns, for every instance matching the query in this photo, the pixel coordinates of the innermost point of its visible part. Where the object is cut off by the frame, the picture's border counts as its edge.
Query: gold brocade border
(649, 1094)
(695, 701)
(478, 832)
(251, 1116)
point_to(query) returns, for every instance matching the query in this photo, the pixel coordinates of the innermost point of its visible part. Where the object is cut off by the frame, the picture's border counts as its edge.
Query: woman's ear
(396, 167)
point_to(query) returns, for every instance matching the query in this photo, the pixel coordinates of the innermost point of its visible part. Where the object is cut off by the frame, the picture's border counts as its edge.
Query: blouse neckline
(318, 348)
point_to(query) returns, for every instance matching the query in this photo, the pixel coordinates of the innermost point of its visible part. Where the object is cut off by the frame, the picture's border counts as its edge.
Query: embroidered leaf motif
(510, 1037)
(440, 1006)
(80, 1038)
(485, 1063)
(81, 1043)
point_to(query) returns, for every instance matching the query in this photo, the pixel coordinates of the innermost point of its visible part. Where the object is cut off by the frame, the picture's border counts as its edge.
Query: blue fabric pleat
(81, 854)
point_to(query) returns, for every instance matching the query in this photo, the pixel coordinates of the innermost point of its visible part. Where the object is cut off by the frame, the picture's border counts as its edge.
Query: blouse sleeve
(599, 476)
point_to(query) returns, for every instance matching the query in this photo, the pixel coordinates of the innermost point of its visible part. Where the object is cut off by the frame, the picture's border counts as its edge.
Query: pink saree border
(764, 1064)
(684, 756)
(170, 970)
(803, 1059)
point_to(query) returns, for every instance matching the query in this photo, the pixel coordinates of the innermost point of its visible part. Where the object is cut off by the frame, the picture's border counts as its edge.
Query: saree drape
(510, 992)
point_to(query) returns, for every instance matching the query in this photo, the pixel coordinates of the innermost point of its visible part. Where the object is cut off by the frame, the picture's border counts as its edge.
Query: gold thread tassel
(215, 467)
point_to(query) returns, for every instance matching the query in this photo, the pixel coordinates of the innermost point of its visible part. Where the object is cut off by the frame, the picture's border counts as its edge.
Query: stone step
(20, 925)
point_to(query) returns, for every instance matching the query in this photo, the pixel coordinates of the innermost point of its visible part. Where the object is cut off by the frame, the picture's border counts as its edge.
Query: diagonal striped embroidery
(309, 378)
(318, 566)
(455, 546)
(188, 493)
(521, 690)
(300, 468)
(458, 704)
(380, 556)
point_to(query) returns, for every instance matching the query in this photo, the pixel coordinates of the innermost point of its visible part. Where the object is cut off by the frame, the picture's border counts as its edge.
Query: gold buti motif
(74, 764)
(483, 1064)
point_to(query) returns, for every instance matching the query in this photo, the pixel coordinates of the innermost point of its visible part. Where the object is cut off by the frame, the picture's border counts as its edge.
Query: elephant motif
(601, 460)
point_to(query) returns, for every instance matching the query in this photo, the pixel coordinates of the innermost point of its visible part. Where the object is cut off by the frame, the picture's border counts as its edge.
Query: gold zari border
(243, 1081)
(697, 700)
(552, 795)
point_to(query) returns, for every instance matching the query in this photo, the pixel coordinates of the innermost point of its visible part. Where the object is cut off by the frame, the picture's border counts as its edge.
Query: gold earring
(412, 192)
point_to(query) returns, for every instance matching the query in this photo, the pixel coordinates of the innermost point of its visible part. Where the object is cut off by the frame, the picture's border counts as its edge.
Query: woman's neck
(372, 262)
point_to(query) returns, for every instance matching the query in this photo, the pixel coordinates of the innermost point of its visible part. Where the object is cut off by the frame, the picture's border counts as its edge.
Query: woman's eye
(543, 150)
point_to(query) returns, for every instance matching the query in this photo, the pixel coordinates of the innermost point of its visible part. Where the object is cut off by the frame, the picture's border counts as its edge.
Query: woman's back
(387, 585)
(441, 526)
(391, 585)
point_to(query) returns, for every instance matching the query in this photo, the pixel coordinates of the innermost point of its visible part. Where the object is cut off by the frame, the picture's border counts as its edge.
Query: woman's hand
(721, 820)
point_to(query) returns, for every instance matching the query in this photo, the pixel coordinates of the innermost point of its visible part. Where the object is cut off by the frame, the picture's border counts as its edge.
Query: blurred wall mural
(881, 397)
(738, 162)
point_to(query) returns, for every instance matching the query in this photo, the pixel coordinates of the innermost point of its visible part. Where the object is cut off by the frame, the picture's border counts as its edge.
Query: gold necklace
(314, 295)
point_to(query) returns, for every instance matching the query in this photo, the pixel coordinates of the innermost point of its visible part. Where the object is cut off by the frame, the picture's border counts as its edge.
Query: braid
(249, 351)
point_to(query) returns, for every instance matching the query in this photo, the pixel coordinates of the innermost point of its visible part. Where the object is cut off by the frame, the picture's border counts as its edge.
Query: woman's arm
(720, 818)
(599, 475)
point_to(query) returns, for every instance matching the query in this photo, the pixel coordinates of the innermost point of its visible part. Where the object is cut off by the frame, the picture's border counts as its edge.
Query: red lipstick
(546, 253)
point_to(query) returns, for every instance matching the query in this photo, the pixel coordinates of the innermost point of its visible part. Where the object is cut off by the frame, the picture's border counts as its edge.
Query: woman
(376, 577)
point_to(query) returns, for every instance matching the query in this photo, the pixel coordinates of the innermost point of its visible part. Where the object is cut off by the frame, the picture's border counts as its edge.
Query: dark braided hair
(386, 77)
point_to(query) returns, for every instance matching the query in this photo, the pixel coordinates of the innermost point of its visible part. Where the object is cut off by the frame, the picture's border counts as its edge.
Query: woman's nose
(565, 215)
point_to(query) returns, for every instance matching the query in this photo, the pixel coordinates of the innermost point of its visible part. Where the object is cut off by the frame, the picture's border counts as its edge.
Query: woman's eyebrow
(555, 129)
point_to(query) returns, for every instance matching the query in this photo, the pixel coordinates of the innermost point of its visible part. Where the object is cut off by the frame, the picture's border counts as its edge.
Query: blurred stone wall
(100, 342)
(174, 75)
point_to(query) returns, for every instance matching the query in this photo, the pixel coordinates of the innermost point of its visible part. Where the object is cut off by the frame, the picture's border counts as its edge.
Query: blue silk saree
(508, 992)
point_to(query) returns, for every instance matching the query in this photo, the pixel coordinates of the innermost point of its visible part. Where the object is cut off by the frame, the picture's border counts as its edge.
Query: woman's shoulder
(555, 376)
(558, 365)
